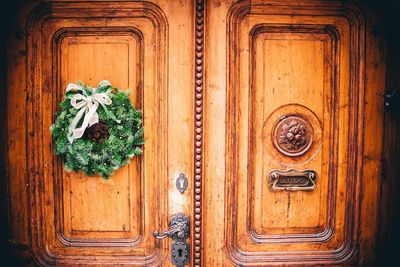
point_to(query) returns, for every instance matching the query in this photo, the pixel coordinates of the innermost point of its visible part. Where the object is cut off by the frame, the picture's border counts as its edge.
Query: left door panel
(74, 219)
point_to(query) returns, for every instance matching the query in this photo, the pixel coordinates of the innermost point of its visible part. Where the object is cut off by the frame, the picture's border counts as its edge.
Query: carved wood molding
(67, 235)
(43, 85)
(198, 119)
(348, 249)
(321, 234)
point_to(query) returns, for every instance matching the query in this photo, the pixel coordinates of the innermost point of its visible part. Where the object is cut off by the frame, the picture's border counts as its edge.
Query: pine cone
(97, 132)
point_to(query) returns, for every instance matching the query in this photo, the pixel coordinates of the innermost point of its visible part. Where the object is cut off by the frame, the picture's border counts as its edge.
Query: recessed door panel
(291, 71)
(91, 56)
(88, 211)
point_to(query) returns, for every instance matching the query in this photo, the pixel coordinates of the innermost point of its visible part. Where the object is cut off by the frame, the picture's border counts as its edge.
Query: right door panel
(293, 92)
(293, 137)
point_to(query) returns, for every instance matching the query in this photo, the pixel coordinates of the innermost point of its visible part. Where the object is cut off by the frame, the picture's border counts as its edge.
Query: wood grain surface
(214, 80)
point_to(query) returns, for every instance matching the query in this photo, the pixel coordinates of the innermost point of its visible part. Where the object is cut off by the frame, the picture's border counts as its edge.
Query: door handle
(179, 231)
(169, 233)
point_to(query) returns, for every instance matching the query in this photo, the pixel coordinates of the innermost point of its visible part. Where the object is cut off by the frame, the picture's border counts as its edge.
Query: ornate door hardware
(181, 183)
(292, 180)
(293, 135)
(392, 102)
(179, 232)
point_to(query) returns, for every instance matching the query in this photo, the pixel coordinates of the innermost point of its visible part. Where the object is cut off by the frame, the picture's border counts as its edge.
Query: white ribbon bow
(87, 105)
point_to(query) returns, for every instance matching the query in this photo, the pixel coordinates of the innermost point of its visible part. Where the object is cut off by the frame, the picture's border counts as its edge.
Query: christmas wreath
(97, 130)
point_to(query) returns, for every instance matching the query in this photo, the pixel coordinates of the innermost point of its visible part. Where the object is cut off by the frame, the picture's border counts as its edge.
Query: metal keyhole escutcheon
(182, 183)
(179, 232)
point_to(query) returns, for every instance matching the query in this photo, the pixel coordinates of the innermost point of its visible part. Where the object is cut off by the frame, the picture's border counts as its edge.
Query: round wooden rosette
(293, 135)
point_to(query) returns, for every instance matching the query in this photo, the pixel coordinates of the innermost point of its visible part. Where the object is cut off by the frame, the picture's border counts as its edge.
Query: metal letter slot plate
(292, 180)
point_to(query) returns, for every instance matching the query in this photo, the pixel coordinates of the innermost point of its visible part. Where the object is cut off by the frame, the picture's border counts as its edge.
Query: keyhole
(181, 183)
(180, 251)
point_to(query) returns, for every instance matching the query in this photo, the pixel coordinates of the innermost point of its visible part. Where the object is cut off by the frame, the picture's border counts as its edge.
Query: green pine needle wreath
(105, 146)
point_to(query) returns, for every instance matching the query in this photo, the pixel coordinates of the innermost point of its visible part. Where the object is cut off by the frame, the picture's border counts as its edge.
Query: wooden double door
(269, 108)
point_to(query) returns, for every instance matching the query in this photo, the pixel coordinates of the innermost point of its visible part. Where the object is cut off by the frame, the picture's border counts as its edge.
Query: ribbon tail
(109, 113)
(73, 124)
(94, 119)
(78, 132)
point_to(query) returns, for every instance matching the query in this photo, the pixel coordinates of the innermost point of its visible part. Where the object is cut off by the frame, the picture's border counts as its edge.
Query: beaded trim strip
(198, 148)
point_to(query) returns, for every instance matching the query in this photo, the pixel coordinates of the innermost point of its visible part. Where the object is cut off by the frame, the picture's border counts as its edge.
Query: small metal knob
(392, 102)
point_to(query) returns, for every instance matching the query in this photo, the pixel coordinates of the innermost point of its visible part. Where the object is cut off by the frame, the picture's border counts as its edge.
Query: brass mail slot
(292, 180)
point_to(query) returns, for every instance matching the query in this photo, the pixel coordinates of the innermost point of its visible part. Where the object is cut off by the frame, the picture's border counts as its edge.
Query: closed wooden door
(146, 47)
(289, 178)
(269, 108)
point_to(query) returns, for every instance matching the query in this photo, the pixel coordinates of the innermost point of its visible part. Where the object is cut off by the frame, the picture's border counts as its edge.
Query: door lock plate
(179, 232)
(179, 253)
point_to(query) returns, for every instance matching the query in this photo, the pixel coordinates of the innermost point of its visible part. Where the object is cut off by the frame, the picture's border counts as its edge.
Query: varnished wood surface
(68, 218)
(323, 69)
(212, 82)
(389, 217)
